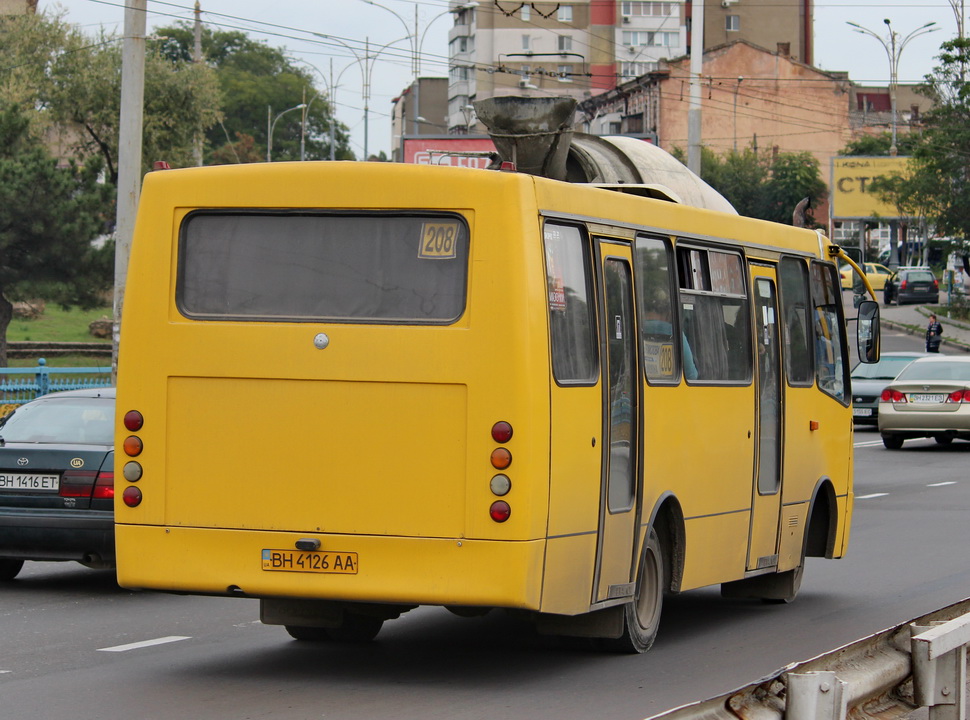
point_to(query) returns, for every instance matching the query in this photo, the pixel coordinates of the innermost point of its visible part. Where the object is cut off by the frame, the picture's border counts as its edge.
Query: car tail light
(902, 285)
(77, 483)
(958, 396)
(936, 285)
(892, 395)
(104, 486)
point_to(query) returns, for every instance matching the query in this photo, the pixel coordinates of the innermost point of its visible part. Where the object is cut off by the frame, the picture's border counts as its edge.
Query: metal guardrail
(890, 674)
(22, 384)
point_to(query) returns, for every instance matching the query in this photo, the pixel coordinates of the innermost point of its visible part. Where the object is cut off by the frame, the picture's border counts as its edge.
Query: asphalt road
(73, 646)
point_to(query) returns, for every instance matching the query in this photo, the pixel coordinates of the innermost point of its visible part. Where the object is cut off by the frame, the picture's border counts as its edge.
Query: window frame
(181, 267)
(592, 306)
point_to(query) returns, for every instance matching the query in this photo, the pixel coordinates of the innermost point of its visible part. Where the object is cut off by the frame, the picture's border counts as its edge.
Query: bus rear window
(374, 267)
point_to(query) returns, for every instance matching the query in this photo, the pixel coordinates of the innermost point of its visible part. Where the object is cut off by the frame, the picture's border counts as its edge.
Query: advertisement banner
(453, 150)
(852, 178)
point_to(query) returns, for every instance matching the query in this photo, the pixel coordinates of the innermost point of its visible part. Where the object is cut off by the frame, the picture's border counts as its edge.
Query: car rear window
(886, 369)
(946, 370)
(72, 421)
(919, 276)
(342, 267)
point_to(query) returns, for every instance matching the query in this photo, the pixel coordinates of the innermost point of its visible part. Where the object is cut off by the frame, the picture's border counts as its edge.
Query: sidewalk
(913, 319)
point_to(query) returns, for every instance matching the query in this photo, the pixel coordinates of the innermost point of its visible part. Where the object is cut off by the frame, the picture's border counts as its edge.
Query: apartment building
(582, 48)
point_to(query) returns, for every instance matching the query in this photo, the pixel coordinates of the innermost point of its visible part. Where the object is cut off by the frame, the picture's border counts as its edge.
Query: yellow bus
(352, 389)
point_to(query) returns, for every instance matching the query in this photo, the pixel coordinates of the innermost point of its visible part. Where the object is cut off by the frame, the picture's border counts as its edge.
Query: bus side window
(661, 351)
(714, 311)
(571, 323)
(831, 363)
(797, 328)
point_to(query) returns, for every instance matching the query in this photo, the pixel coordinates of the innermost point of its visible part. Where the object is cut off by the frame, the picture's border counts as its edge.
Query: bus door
(766, 491)
(620, 449)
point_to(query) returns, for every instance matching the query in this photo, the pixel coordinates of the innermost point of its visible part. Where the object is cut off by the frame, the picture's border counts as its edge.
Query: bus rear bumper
(398, 570)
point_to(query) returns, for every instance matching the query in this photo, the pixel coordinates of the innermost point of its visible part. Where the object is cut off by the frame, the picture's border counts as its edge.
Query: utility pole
(197, 58)
(696, 68)
(129, 154)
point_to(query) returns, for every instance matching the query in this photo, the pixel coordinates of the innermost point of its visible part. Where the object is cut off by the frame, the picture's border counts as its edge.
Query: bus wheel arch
(820, 532)
(659, 571)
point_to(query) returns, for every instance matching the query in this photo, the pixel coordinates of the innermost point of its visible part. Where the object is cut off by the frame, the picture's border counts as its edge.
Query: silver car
(929, 398)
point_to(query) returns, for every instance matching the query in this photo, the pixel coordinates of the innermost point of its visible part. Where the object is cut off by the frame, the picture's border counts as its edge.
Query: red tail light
(958, 396)
(77, 483)
(936, 285)
(500, 511)
(104, 486)
(892, 395)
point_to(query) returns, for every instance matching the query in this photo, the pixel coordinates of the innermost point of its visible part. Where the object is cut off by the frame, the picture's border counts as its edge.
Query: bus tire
(356, 628)
(10, 568)
(307, 634)
(641, 618)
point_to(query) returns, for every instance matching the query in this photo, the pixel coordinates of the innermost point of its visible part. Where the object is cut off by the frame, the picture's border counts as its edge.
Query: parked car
(929, 398)
(57, 480)
(876, 273)
(912, 285)
(870, 379)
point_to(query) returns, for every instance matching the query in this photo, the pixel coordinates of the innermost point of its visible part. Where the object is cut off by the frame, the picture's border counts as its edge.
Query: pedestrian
(934, 335)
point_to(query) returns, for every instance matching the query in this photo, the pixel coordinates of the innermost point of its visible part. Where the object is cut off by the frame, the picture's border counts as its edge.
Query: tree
(764, 186)
(256, 80)
(942, 159)
(67, 81)
(936, 189)
(49, 216)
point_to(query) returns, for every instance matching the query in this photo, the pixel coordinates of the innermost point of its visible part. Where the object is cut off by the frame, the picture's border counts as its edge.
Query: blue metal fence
(20, 385)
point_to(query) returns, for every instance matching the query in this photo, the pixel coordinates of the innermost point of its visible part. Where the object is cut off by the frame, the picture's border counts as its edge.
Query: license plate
(862, 412)
(926, 398)
(29, 481)
(341, 563)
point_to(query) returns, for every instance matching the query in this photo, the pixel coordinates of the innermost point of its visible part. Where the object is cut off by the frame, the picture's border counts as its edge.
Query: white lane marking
(144, 643)
(941, 484)
(868, 443)
(872, 495)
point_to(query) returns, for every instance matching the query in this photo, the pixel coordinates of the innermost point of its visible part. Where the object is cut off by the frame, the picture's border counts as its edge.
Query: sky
(388, 31)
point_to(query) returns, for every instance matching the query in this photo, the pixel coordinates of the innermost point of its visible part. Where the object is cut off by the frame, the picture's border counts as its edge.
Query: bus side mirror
(867, 331)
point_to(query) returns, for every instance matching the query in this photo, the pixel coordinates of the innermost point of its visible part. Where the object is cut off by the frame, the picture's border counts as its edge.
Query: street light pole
(894, 49)
(366, 70)
(271, 126)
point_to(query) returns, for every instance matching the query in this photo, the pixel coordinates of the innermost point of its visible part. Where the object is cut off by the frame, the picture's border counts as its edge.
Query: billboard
(448, 150)
(852, 177)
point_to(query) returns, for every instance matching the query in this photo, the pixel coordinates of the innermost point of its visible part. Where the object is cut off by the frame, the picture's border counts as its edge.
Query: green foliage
(49, 216)
(258, 82)
(879, 145)
(943, 156)
(762, 185)
(68, 81)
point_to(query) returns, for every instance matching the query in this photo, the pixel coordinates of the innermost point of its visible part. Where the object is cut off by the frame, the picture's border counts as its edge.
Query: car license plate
(342, 563)
(862, 412)
(926, 398)
(29, 481)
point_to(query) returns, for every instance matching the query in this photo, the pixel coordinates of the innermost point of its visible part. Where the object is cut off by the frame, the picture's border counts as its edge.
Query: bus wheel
(788, 584)
(641, 618)
(10, 568)
(357, 628)
(892, 442)
(308, 634)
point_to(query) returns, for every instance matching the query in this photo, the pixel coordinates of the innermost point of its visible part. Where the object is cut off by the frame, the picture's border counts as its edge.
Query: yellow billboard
(852, 178)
